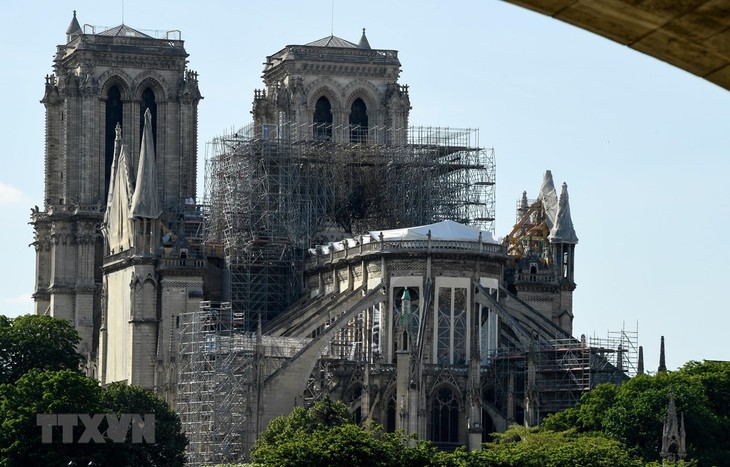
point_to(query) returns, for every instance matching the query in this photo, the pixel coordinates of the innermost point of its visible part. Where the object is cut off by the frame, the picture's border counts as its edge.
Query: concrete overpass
(691, 34)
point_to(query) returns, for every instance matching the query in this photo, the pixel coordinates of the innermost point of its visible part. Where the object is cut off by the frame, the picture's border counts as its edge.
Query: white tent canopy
(440, 231)
(444, 230)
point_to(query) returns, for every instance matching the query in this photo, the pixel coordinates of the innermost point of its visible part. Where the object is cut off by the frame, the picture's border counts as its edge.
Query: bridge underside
(693, 35)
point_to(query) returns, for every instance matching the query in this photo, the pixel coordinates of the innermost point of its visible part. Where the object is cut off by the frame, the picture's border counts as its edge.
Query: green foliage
(68, 392)
(171, 442)
(528, 447)
(41, 342)
(39, 374)
(303, 439)
(611, 426)
(325, 435)
(40, 392)
(634, 413)
(586, 416)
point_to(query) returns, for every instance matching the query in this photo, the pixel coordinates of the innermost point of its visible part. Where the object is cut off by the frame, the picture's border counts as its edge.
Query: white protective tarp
(444, 230)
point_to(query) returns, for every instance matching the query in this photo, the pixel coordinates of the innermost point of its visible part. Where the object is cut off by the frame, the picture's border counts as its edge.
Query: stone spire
(363, 44)
(662, 360)
(74, 29)
(640, 368)
(145, 201)
(563, 231)
(673, 434)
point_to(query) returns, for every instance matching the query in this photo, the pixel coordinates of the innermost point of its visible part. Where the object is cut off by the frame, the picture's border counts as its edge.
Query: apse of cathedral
(339, 252)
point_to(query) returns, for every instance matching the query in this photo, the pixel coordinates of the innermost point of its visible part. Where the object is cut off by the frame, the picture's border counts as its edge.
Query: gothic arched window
(451, 325)
(445, 419)
(323, 120)
(114, 115)
(148, 102)
(358, 122)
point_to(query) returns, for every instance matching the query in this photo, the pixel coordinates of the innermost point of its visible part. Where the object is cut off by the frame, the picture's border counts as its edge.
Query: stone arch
(149, 279)
(366, 91)
(115, 77)
(144, 293)
(155, 81)
(328, 88)
(446, 383)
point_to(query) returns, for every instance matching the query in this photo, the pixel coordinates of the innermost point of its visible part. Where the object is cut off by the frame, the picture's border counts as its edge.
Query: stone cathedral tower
(102, 79)
(334, 90)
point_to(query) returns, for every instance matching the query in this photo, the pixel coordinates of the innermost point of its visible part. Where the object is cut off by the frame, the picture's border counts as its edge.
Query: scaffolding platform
(273, 194)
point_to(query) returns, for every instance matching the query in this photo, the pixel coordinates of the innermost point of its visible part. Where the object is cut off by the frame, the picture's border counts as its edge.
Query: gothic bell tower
(334, 90)
(101, 79)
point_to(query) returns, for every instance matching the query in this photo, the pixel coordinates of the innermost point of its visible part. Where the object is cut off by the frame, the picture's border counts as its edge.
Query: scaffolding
(563, 370)
(273, 194)
(619, 351)
(221, 368)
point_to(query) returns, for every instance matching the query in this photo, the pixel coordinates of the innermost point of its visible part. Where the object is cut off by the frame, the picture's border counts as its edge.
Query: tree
(39, 374)
(170, 441)
(634, 412)
(532, 447)
(46, 392)
(325, 435)
(68, 392)
(42, 342)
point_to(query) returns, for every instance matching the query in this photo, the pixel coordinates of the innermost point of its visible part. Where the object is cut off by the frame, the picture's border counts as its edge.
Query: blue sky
(642, 145)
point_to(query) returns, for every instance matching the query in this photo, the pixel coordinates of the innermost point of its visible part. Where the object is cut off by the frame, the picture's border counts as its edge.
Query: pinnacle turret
(74, 29)
(562, 231)
(662, 360)
(363, 44)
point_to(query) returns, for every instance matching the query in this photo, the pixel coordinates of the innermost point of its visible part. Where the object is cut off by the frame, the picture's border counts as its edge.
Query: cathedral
(338, 252)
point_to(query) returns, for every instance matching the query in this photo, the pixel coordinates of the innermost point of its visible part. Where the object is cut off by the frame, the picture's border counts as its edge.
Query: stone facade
(102, 80)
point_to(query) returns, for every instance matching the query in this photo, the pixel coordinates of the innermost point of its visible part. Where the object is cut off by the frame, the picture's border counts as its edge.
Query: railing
(181, 263)
(395, 246)
(164, 263)
(542, 277)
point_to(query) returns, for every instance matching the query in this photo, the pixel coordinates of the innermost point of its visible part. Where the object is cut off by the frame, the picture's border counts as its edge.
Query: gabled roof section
(563, 231)
(124, 31)
(334, 41)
